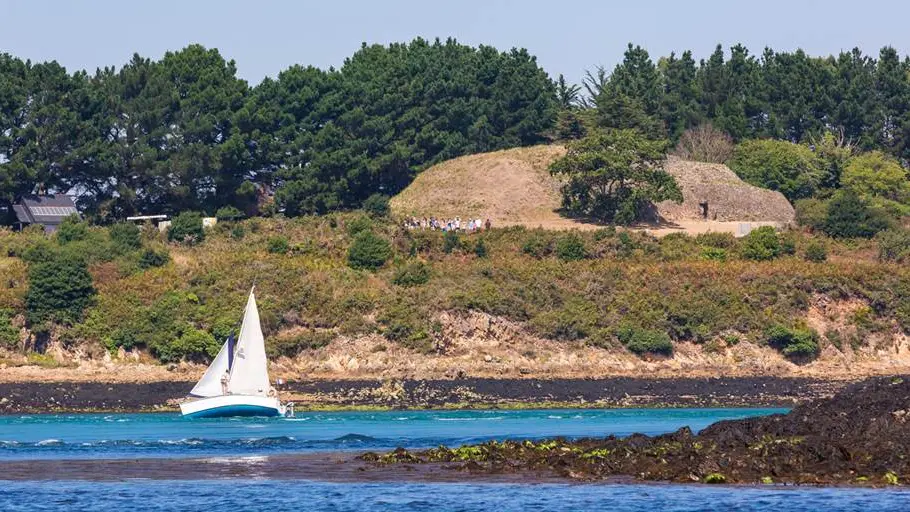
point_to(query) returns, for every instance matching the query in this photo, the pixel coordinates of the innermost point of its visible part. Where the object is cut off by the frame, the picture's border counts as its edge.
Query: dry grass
(514, 187)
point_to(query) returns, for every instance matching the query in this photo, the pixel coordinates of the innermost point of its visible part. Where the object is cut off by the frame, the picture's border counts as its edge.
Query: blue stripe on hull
(229, 411)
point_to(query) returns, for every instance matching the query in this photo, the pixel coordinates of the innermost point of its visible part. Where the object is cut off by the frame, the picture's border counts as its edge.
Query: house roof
(50, 209)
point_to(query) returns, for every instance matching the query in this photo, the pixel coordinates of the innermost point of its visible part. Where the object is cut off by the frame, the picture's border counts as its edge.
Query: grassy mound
(515, 187)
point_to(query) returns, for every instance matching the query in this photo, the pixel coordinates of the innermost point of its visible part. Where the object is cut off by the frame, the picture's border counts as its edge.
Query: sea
(65, 461)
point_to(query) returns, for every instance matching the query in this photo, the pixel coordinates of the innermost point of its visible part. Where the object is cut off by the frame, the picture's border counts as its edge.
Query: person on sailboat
(224, 382)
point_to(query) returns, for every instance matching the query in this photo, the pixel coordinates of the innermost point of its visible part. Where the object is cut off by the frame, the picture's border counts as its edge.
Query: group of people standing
(446, 225)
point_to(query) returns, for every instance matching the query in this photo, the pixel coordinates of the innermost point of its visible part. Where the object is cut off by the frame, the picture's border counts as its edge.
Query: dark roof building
(48, 211)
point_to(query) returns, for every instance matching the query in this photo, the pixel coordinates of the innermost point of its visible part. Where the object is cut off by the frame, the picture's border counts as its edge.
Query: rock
(488, 358)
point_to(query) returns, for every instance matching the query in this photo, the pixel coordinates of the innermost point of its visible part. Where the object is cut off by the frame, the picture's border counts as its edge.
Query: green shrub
(186, 228)
(761, 244)
(793, 343)
(571, 247)
(811, 213)
(358, 225)
(237, 232)
(369, 251)
(537, 245)
(793, 169)
(291, 346)
(151, 258)
(816, 252)
(576, 320)
(377, 205)
(9, 335)
(645, 341)
(715, 239)
(125, 236)
(851, 217)
(450, 242)
(278, 245)
(407, 325)
(59, 290)
(714, 254)
(229, 213)
(72, 229)
(787, 244)
(193, 345)
(412, 274)
(480, 249)
(894, 245)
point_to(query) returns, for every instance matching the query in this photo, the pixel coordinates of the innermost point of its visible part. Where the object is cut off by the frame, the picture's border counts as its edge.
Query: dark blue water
(396, 497)
(64, 437)
(169, 435)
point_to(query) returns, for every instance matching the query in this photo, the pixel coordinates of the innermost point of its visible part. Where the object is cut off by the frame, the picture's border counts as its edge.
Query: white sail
(210, 383)
(249, 373)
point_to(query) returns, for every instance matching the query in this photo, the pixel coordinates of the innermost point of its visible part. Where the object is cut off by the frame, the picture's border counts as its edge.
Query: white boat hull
(232, 405)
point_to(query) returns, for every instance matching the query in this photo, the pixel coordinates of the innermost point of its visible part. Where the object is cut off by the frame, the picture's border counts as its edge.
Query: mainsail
(210, 383)
(249, 372)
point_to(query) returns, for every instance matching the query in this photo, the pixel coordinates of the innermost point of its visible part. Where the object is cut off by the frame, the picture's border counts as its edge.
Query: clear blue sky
(264, 37)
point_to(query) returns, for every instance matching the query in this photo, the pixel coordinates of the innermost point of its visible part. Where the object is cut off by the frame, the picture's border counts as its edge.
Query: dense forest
(185, 133)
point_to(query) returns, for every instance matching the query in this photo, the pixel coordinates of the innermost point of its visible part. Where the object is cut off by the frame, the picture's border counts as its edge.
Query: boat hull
(228, 406)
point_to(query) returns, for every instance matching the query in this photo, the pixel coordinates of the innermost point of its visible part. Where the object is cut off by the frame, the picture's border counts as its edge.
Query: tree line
(782, 95)
(185, 133)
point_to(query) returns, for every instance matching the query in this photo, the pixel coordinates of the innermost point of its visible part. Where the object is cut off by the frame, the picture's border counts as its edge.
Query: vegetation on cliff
(353, 275)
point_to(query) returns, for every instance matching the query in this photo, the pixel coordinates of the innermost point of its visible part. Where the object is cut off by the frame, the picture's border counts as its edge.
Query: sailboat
(237, 381)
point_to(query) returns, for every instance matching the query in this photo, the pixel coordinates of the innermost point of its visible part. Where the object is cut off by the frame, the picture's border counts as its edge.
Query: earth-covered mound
(860, 436)
(514, 186)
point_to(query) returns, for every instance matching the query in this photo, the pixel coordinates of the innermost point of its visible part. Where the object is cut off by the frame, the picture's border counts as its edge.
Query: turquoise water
(53, 440)
(169, 435)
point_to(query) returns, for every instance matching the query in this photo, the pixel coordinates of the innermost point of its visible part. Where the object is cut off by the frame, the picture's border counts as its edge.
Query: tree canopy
(613, 175)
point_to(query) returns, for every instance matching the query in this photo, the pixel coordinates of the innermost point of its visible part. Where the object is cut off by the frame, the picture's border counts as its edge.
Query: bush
(793, 343)
(761, 244)
(407, 325)
(574, 321)
(894, 245)
(537, 245)
(816, 252)
(369, 251)
(291, 346)
(72, 229)
(715, 239)
(793, 169)
(187, 228)
(9, 335)
(358, 225)
(277, 245)
(193, 345)
(450, 242)
(237, 232)
(571, 247)
(645, 341)
(811, 213)
(480, 249)
(412, 274)
(151, 258)
(787, 244)
(59, 290)
(851, 217)
(704, 143)
(713, 254)
(125, 236)
(229, 213)
(377, 205)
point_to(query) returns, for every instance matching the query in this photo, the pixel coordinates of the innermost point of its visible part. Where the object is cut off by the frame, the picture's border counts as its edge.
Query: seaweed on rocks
(860, 436)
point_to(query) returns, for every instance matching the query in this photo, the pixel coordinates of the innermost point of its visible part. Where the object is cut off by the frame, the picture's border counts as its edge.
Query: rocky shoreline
(861, 436)
(38, 397)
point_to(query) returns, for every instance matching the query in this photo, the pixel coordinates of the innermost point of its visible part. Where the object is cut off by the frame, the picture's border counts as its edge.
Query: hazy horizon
(567, 39)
